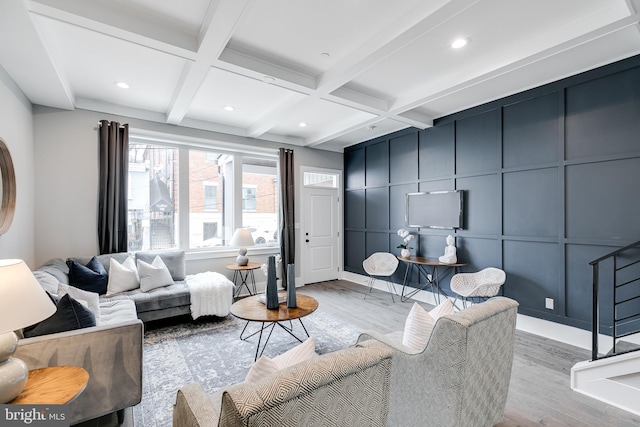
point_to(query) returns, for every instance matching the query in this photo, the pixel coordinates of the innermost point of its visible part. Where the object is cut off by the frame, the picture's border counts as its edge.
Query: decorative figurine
(449, 256)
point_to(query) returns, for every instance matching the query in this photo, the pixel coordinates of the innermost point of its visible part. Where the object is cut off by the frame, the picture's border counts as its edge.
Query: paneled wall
(551, 179)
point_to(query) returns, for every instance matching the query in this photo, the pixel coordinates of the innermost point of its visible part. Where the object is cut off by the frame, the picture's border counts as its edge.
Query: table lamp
(23, 302)
(242, 238)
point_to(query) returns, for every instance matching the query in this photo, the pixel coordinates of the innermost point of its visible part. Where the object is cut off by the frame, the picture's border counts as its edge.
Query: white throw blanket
(211, 294)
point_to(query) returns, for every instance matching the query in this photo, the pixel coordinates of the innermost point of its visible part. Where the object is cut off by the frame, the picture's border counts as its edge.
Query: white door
(320, 234)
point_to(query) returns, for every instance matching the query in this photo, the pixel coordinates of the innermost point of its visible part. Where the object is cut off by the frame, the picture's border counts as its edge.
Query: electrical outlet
(548, 303)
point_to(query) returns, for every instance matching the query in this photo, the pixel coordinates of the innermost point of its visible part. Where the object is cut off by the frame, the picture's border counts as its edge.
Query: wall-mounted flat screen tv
(436, 209)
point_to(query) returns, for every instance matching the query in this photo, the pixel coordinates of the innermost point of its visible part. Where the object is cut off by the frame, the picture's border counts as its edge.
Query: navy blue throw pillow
(69, 315)
(91, 277)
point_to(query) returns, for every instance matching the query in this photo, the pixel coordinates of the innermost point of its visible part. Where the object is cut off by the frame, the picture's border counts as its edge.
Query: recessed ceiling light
(229, 107)
(325, 54)
(302, 124)
(458, 43)
(268, 79)
(122, 85)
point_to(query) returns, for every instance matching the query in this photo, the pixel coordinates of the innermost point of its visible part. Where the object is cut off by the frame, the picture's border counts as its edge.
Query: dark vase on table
(291, 286)
(272, 285)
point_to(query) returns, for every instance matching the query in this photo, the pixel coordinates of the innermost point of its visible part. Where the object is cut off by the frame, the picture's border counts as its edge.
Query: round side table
(55, 385)
(243, 274)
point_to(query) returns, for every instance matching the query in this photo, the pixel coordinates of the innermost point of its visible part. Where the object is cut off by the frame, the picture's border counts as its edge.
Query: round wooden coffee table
(252, 310)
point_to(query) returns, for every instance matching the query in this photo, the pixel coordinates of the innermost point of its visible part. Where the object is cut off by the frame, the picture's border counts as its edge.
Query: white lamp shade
(23, 302)
(241, 238)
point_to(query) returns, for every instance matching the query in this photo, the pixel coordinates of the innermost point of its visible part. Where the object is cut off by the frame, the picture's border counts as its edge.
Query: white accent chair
(380, 265)
(480, 285)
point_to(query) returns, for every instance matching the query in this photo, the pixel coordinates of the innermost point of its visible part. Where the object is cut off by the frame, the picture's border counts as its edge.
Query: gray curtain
(287, 220)
(114, 171)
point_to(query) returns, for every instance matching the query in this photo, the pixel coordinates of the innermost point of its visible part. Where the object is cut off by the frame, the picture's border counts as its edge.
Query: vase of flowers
(406, 238)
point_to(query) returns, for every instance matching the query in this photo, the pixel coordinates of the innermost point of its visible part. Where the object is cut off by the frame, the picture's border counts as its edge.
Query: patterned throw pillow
(266, 366)
(91, 277)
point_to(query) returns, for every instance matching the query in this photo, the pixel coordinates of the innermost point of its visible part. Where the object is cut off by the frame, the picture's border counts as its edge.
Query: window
(210, 197)
(249, 198)
(183, 197)
(260, 199)
(153, 189)
(314, 179)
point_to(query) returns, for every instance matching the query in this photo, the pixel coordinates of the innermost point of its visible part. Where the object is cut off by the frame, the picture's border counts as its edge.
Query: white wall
(66, 159)
(16, 129)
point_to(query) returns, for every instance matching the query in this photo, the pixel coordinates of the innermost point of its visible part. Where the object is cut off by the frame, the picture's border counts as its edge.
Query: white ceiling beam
(340, 131)
(414, 118)
(236, 60)
(366, 103)
(122, 25)
(214, 36)
(41, 80)
(402, 105)
(355, 98)
(413, 25)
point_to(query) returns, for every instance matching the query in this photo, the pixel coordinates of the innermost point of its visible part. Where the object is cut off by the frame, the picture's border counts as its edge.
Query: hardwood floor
(539, 393)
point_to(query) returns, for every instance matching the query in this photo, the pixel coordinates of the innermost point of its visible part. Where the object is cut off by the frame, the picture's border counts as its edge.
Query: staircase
(614, 377)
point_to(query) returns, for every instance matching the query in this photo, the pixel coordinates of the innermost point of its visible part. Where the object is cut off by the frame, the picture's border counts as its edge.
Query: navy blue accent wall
(551, 179)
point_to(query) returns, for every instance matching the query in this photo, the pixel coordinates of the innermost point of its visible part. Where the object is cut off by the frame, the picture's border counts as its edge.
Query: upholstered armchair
(345, 388)
(461, 378)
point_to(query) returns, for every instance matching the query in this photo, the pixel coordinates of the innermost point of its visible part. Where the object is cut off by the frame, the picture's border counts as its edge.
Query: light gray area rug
(210, 352)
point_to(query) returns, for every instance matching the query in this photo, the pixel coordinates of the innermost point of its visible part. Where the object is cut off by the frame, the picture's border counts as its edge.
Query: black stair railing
(622, 259)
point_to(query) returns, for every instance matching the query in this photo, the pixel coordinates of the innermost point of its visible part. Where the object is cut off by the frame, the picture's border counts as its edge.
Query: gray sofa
(159, 303)
(462, 376)
(111, 352)
(346, 388)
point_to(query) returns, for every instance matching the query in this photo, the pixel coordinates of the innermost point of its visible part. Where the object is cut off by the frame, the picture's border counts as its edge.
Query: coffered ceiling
(350, 70)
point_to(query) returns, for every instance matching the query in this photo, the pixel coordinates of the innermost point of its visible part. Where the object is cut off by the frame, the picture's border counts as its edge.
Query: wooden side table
(432, 279)
(243, 273)
(55, 385)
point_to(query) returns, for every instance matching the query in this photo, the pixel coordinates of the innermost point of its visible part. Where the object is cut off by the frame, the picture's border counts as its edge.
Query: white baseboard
(544, 328)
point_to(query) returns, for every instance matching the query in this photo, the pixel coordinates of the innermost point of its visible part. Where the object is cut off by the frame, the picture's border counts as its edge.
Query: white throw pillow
(122, 277)
(420, 324)
(261, 368)
(442, 309)
(154, 275)
(417, 328)
(265, 366)
(91, 300)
